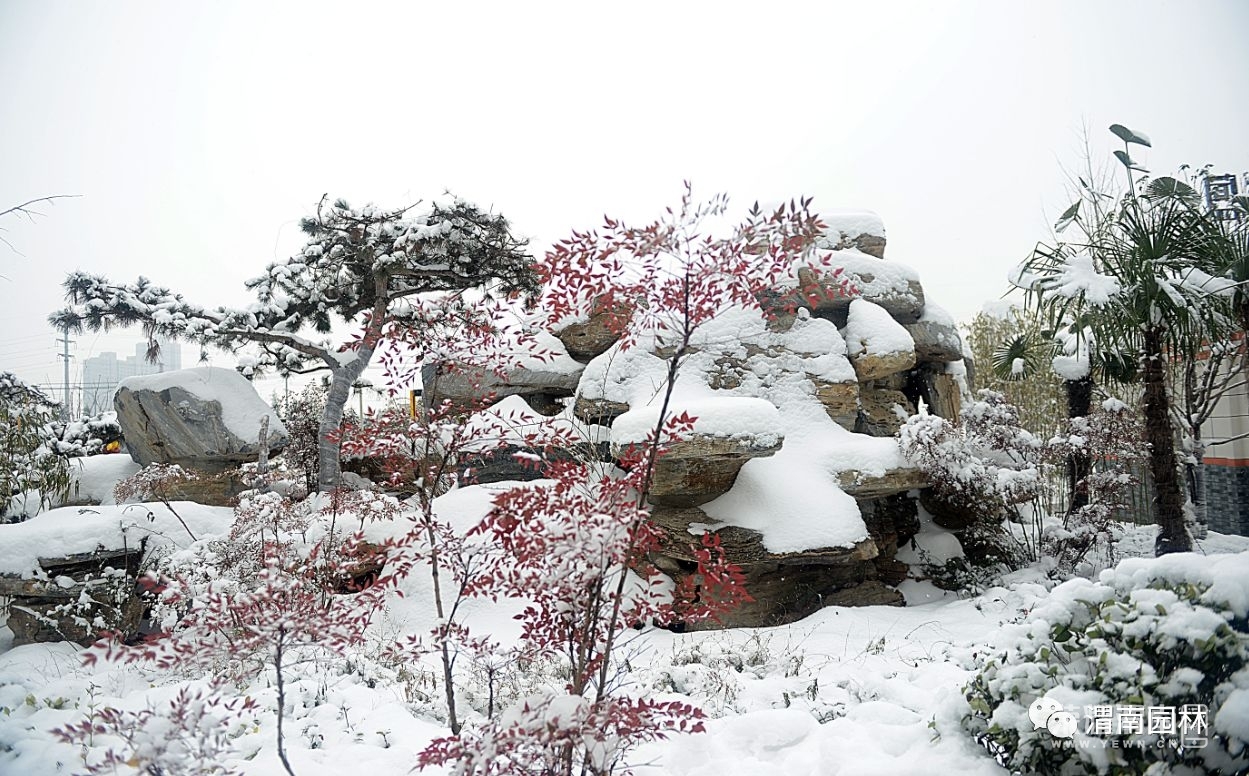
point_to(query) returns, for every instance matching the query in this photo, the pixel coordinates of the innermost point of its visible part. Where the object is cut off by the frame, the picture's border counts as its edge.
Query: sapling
(156, 481)
(266, 597)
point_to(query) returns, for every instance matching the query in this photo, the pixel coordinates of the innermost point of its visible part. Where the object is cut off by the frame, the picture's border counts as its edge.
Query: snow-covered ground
(871, 690)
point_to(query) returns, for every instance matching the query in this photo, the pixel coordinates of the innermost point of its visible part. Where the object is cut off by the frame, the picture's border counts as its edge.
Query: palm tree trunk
(1163, 466)
(1079, 464)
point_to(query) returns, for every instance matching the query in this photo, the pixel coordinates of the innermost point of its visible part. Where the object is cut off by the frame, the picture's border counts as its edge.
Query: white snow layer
(871, 330)
(728, 416)
(937, 314)
(71, 530)
(1079, 277)
(241, 407)
(1071, 368)
(94, 477)
(853, 223)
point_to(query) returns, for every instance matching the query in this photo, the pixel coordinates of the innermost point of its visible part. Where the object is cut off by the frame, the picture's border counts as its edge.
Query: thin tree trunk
(262, 460)
(1079, 463)
(1163, 466)
(277, 666)
(1197, 486)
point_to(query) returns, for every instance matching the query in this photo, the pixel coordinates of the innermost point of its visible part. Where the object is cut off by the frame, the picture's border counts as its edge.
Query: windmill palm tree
(1143, 279)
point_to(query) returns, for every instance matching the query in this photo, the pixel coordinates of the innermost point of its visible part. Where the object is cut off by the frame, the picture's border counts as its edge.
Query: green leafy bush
(32, 475)
(1164, 633)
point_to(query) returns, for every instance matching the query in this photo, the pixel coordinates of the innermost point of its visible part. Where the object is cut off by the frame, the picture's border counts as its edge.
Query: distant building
(1226, 477)
(101, 374)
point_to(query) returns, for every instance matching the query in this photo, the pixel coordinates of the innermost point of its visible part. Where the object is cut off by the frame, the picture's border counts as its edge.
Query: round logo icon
(1061, 724)
(1041, 710)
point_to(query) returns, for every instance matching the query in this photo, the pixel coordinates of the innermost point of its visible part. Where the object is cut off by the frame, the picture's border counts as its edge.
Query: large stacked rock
(866, 353)
(206, 420)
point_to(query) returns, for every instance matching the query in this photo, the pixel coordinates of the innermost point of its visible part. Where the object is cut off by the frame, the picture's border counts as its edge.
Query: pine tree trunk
(329, 467)
(1079, 464)
(1163, 465)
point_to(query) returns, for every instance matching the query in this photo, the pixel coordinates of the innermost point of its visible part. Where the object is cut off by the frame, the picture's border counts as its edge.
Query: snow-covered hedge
(1148, 640)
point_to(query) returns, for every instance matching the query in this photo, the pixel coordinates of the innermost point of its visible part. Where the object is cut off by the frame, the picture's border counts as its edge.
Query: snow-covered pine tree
(367, 267)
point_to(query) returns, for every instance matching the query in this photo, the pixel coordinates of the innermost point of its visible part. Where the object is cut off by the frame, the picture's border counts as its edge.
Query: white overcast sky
(197, 134)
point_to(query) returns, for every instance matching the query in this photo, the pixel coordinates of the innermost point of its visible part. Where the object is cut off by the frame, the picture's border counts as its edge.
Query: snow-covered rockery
(796, 399)
(207, 420)
(206, 417)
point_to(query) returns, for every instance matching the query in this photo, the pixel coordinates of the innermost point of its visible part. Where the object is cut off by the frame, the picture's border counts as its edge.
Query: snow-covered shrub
(279, 591)
(29, 465)
(982, 469)
(725, 675)
(987, 462)
(155, 481)
(1149, 640)
(188, 736)
(554, 732)
(301, 414)
(1111, 439)
(86, 436)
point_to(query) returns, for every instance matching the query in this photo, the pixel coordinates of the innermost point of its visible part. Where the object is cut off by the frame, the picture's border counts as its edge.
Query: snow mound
(72, 530)
(871, 330)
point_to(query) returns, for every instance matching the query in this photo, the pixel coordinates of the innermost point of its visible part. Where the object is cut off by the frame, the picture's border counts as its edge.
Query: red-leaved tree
(577, 545)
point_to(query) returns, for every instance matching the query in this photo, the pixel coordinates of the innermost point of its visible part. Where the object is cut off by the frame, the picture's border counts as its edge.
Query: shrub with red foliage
(188, 736)
(270, 603)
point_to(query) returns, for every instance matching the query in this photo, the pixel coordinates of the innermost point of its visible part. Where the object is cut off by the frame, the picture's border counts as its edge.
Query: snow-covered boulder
(206, 419)
(936, 337)
(728, 432)
(860, 230)
(601, 327)
(891, 285)
(878, 345)
(541, 379)
(785, 586)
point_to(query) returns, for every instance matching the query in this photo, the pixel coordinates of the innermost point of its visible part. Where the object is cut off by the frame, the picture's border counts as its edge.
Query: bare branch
(26, 209)
(1236, 438)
